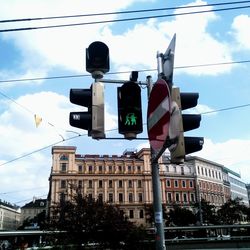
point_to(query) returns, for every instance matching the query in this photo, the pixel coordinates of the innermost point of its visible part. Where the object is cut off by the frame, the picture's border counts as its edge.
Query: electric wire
(121, 72)
(26, 189)
(120, 20)
(116, 129)
(121, 12)
(225, 109)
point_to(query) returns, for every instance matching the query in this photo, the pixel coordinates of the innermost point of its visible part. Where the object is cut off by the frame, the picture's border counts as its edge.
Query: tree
(179, 216)
(150, 213)
(91, 221)
(39, 220)
(208, 212)
(233, 211)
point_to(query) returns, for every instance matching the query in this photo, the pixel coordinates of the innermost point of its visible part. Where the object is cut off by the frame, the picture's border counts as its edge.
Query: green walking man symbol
(130, 119)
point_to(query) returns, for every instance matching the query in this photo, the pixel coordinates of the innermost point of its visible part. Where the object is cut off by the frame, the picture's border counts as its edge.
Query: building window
(120, 184)
(100, 197)
(130, 184)
(175, 170)
(139, 169)
(80, 184)
(185, 197)
(131, 214)
(129, 169)
(63, 183)
(198, 169)
(205, 171)
(110, 169)
(139, 184)
(140, 197)
(90, 184)
(192, 197)
(110, 183)
(120, 169)
(141, 214)
(182, 170)
(167, 168)
(191, 184)
(100, 169)
(90, 169)
(130, 197)
(110, 197)
(100, 183)
(168, 183)
(63, 167)
(177, 197)
(176, 184)
(202, 171)
(184, 184)
(169, 197)
(80, 168)
(64, 158)
(62, 196)
(120, 197)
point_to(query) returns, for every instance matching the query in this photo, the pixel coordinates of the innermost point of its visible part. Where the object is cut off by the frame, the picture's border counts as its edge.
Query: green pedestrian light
(129, 109)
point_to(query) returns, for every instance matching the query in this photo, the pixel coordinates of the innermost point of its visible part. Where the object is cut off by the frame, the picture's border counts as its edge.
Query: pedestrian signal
(129, 110)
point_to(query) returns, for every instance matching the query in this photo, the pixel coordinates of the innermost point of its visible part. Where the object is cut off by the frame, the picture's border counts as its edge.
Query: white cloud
(233, 154)
(201, 109)
(65, 47)
(20, 137)
(17, 124)
(240, 28)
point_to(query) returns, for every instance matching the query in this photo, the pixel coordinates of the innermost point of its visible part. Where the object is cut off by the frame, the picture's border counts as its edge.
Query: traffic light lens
(131, 119)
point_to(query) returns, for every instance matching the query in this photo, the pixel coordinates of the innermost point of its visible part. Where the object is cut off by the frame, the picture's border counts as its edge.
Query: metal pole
(156, 186)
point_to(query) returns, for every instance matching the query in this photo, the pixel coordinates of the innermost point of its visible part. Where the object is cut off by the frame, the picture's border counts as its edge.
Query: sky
(39, 66)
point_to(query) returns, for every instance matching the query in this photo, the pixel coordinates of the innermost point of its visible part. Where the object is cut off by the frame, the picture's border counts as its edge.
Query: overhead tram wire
(121, 72)
(79, 135)
(121, 12)
(120, 20)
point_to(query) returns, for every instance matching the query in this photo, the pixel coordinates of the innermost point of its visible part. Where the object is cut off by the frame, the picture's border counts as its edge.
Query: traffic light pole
(156, 186)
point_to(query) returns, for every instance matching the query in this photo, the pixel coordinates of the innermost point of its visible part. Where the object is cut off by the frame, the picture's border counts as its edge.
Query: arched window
(64, 158)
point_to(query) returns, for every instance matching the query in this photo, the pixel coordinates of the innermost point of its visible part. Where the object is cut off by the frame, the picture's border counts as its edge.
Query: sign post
(158, 127)
(159, 113)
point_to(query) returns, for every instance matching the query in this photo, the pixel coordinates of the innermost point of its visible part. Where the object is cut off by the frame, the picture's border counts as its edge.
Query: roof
(39, 203)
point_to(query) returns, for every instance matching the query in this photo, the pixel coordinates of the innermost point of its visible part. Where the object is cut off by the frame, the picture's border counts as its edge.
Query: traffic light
(97, 59)
(129, 108)
(184, 122)
(93, 119)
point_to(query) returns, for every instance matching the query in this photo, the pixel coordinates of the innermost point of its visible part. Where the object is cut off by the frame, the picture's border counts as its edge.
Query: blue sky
(209, 38)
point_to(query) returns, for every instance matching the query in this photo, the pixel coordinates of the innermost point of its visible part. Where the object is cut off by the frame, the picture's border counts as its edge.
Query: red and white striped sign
(158, 115)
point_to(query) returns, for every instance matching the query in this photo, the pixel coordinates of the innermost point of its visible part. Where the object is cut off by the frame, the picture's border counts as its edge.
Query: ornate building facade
(126, 180)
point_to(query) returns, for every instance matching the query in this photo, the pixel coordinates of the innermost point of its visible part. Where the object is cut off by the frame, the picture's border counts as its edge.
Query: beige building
(125, 180)
(211, 180)
(9, 216)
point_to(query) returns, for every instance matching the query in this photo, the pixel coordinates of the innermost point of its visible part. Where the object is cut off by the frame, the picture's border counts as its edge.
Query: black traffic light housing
(93, 119)
(97, 59)
(185, 145)
(129, 108)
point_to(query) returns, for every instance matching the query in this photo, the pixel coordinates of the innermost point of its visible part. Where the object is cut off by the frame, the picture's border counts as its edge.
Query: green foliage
(179, 216)
(39, 219)
(208, 212)
(86, 220)
(150, 213)
(233, 211)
